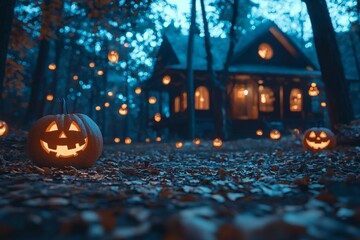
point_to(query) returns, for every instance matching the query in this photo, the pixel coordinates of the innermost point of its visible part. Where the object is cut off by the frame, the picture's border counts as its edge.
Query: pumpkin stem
(63, 108)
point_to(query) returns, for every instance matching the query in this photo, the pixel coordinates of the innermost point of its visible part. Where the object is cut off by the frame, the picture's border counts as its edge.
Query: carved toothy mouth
(317, 146)
(63, 151)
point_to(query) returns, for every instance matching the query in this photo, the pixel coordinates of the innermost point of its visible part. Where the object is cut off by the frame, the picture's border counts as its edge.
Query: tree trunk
(217, 93)
(6, 16)
(38, 77)
(190, 73)
(38, 81)
(340, 110)
(230, 54)
(59, 46)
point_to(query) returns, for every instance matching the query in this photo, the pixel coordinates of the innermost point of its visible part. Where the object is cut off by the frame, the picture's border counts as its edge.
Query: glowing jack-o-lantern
(316, 139)
(196, 141)
(217, 142)
(179, 144)
(65, 140)
(128, 141)
(275, 135)
(4, 129)
(259, 132)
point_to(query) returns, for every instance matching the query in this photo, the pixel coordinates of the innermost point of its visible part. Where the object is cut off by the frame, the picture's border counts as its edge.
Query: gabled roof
(292, 46)
(176, 48)
(219, 47)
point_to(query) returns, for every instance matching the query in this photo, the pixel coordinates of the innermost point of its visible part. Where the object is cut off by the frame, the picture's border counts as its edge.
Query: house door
(244, 100)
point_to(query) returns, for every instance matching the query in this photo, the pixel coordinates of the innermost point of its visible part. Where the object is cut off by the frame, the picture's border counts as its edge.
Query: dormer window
(265, 51)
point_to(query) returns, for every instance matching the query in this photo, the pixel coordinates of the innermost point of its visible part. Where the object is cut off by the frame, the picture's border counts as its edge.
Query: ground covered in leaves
(248, 189)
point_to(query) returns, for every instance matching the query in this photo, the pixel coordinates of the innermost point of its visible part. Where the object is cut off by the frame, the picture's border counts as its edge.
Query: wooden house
(270, 82)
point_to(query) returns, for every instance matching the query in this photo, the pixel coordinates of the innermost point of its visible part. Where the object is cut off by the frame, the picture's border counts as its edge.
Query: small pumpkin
(65, 140)
(4, 129)
(275, 135)
(316, 139)
(217, 142)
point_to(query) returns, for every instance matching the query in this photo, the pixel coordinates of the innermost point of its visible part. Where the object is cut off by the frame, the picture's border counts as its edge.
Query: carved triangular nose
(62, 135)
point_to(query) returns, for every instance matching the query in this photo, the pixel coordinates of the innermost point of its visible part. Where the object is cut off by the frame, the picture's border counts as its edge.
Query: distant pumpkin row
(75, 140)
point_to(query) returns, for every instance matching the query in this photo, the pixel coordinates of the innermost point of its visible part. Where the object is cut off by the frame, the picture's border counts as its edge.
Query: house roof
(178, 44)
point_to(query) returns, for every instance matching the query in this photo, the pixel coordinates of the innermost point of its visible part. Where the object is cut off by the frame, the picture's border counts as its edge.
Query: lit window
(184, 101)
(295, 100)
(202, 101)
(267, 99)
(265, 51)
(177, 104)
(244, 97)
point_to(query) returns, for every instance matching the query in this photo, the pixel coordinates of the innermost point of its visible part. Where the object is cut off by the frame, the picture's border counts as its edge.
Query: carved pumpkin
(316, 139)
(217, 142)
(179, 144)
(275, 135)
(65, 140)
(196, 141)
(4, 129)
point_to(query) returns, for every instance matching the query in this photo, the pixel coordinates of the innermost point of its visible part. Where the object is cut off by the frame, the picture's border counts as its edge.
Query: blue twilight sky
(280, 12)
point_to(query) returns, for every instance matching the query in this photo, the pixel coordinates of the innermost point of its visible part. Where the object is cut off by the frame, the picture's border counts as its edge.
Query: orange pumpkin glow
(217, 142)
(275, 135)
(179, 145)
(65, 140)
(316, 139)
(4, 129)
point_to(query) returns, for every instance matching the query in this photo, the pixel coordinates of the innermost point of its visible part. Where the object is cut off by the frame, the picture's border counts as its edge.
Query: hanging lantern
(50, 97)
(124, 105)
(196, 141)
(127, 141)
(275, 135)
(179, 145)
(152, 100)
(158, 139)
(157, 117)
(107, 104)
(123, 111)
(4, 129)
(75, 77)
(97, 108)
(147, 140)
(313, 90)
(259, 132)
(116, 140)
(52, 66)
(113, 56)
(92, 64)
(217, 142)
(100, 72)
(323, 104)
(166, 80)
(110, 94)
(138, 90)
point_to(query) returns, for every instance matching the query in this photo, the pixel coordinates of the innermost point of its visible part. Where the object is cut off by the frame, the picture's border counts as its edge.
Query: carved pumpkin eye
(312, 134)
(323, 135)
(74, 127)
(52, 127)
